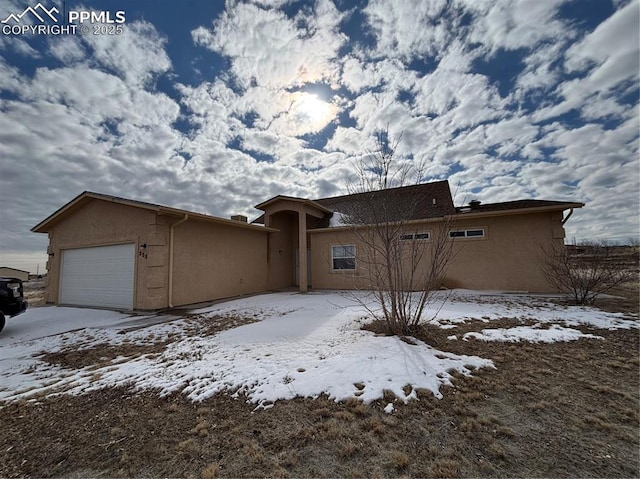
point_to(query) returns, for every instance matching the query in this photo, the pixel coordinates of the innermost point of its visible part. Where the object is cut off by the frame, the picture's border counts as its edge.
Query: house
(113, 252)
(7, 272)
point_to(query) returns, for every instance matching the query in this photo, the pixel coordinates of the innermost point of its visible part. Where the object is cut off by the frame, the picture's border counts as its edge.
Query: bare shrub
(402, 262)
(583, 271)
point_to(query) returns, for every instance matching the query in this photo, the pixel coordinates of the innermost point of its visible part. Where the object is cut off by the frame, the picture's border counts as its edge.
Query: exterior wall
(14, 273)
(214, 261)
(507, 258)
(98, 223)
(322, 275)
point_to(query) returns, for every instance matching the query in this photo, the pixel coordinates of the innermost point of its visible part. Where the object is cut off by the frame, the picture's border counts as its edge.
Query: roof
(82, 198)
(406, 203)
(426, 200)
(305, 201)
(517, 205)
(14, 269)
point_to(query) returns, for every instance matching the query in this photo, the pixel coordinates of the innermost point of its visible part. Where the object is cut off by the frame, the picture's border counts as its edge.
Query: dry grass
(548, 410)
(211, 471)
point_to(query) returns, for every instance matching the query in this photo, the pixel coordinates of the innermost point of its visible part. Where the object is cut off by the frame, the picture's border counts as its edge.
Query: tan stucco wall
(213, 261)
(99, 223)
(322, 276)
(507, 258)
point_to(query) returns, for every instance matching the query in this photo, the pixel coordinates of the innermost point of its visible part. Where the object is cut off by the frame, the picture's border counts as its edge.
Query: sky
(215, 107)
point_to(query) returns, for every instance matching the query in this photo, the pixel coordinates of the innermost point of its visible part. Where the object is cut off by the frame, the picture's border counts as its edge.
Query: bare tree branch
(403, 260)
(585, 271)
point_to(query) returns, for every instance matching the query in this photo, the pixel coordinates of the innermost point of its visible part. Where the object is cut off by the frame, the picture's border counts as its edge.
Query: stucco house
(8, 272)
(112, 252)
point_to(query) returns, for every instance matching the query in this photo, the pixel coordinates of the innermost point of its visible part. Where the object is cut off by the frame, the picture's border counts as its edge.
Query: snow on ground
(464, 305)
(532, 334)
(301, 345)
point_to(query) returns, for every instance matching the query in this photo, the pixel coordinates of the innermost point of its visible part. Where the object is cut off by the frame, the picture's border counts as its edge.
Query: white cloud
(608, 58)
(409, 29)
(616, 37)
(541, 70)
(67, 49)
(269, 49)
(513, 24)
(136, 55)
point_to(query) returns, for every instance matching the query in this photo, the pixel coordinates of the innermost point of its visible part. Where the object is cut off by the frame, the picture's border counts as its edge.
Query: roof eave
(519, 211)
(304, 201)
(44, 226)
(458, 216)
(214, 219)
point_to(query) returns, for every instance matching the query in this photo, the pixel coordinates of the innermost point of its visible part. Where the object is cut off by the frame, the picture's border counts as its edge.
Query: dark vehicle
(12, 300)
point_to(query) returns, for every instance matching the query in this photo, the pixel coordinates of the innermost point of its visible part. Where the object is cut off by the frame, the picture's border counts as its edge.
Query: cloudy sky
(215, 107)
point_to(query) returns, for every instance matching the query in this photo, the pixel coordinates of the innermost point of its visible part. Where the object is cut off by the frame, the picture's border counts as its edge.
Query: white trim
(468, 233)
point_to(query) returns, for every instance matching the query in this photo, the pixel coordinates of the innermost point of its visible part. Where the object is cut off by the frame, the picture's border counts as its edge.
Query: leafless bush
(583, 271)
(402, 262)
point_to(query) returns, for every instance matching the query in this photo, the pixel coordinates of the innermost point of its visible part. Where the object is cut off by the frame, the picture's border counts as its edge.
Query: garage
(101, 276)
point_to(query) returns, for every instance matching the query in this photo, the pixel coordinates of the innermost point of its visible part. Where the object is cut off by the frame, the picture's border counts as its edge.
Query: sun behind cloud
(310, 113)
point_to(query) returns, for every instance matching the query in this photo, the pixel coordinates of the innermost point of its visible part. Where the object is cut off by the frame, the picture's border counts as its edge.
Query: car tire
(2, 321)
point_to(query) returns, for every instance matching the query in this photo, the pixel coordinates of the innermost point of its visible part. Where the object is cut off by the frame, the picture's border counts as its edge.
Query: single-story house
(112, 252)
(8, 272)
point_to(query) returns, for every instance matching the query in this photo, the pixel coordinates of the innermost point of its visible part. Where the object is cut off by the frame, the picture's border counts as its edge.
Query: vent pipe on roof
(474, 203)
(241, 218)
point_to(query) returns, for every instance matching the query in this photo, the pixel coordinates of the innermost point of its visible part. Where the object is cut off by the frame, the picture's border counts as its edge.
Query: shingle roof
(516, 205)
(416, 202)
(427, 200)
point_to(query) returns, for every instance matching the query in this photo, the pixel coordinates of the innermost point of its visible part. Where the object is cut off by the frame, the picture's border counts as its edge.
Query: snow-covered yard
(299, 345)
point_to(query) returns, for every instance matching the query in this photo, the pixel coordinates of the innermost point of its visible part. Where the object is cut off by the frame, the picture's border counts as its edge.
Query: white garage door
(100, 276)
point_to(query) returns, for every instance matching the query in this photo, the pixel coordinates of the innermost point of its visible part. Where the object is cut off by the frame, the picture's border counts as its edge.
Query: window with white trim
(470, 233)
(422, 236)
(343, 257)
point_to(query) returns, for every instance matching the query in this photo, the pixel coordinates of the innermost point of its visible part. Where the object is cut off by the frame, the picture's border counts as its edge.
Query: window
(422, 236)
(343, 257)
(474, 233)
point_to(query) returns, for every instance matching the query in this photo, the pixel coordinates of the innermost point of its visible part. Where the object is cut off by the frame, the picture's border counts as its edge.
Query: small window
(343, 257)
(415, 236)
(475, 233)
